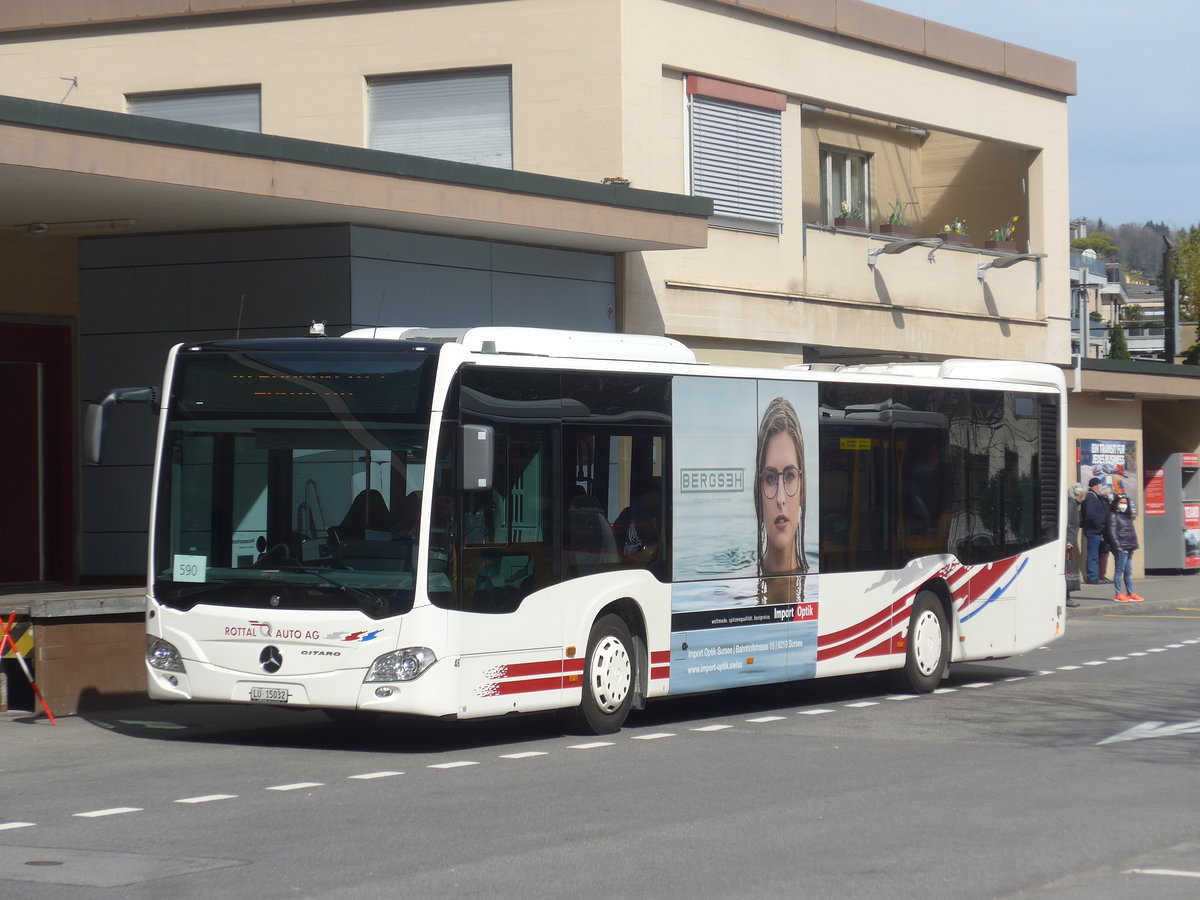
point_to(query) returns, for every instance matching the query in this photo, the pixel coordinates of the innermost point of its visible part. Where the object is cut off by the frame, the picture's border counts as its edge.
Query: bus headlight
(162, 655)
(401, 665)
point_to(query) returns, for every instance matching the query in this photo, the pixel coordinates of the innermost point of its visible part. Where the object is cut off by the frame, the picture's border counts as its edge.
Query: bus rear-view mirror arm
(95, 423)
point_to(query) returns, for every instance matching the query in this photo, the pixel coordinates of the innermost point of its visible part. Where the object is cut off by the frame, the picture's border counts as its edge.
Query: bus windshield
(293, 479)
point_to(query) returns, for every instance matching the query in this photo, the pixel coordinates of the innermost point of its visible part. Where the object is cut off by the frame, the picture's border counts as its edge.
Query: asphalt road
(1039, 776)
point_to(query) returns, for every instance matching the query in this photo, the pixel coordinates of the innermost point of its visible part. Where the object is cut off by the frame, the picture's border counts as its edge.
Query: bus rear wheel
(609, 678)
(928, 655)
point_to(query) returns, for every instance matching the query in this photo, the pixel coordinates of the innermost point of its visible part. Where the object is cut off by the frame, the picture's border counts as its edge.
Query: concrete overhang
(64, 164)
(1138, 379)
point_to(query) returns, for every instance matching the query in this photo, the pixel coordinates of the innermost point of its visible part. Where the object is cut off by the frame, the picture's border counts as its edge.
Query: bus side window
(613, 500)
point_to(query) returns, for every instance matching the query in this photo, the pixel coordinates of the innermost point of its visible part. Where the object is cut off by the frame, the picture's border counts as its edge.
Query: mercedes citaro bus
(476, 522)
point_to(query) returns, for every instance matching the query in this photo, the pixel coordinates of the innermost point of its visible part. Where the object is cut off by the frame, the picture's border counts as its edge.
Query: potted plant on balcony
(956, 233)
(1002, 238)
(851, 217)
(896, 223)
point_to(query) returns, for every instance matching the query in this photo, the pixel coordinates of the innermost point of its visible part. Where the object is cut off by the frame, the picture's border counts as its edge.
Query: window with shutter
(460, 116)
(737, 160)
(239, 107)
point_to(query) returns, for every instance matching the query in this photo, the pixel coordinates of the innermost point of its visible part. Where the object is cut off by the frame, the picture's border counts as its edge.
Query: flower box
(951, 237)
(902, 230)
(1010, 246)
(846, 222)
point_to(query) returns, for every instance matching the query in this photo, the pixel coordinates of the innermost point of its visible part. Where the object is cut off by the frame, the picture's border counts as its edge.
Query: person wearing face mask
(1123, 540)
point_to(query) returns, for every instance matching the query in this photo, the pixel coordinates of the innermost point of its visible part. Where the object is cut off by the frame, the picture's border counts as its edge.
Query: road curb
(1093, 607)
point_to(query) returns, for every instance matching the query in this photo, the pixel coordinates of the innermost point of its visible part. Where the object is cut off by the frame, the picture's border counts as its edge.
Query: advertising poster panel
(1191, 535)
(746, 594)
(1156, 493)
(1114, 463)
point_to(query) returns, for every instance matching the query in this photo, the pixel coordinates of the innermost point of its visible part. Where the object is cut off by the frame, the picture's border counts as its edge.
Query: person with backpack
(1123, 540)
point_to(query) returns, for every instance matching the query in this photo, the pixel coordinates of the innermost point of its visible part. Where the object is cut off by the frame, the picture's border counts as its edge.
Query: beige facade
(952, 125)
(599, 90)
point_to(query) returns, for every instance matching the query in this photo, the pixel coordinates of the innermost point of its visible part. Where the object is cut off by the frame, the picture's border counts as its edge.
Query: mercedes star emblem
(270, 659)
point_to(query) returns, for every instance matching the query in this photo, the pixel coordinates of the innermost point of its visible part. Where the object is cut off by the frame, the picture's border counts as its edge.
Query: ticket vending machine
(1172, 513)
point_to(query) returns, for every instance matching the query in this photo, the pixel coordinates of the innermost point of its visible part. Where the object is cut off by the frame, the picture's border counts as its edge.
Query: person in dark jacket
(1123, 540)
(1093, 517)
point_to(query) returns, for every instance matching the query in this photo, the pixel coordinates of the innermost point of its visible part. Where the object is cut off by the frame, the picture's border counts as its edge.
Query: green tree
(1117, 348)
(1100, 242)
(1186, 268)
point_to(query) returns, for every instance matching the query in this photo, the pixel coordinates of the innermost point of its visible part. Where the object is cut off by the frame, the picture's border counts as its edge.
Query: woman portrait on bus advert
(780, 503)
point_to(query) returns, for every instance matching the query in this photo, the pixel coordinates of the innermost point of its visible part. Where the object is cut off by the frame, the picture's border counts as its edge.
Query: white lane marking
(594, 745)
(115, 811)
(762, 719)
(945, 690)
(368, 776)
(1192, 641)
(1174, 646)
(813, 712)
(298, 786)
(1137, 653)
(1095, 662)
(458, 764)
(1045, 672)
(1015, 678)
(1157, 650)
(978, 684)
(652, 737)
(1153, 730)
(902, 697)
(1117, 658)
(6, 826)
(862, 704)
(1067, 668)
(526, 754)
(712, 728)
(207, 798)
(1178, 873)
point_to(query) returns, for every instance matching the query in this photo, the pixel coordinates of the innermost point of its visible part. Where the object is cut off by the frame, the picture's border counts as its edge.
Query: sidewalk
(1160, 591)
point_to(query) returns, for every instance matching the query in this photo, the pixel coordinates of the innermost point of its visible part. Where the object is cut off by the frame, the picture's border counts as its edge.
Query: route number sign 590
(190, 568)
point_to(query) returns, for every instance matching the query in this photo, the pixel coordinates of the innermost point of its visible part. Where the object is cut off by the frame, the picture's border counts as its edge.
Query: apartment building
(770, 181)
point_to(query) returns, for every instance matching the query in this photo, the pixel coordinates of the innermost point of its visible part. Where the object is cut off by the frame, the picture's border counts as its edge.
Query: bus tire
(928, 653)
(609, 678)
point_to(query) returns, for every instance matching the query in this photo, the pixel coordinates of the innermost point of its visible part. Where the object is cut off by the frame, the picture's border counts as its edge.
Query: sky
(1135, 121)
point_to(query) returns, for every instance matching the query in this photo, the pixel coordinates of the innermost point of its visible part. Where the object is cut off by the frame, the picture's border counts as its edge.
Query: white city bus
(465, 523)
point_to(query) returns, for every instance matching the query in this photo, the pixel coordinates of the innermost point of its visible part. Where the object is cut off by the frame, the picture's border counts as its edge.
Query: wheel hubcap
(611, 674)
(927, 643)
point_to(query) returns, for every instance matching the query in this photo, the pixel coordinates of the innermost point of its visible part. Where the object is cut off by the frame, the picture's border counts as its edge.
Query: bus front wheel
(608, 675)
(928, 655)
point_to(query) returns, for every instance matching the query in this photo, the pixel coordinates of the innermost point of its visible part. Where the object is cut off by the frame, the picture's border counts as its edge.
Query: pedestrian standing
(1093, 518)
(1074, 554)
(1123, 540)
(1106, 494)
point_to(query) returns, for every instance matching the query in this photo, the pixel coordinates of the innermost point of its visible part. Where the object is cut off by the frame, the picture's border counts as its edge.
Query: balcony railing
(921, 273)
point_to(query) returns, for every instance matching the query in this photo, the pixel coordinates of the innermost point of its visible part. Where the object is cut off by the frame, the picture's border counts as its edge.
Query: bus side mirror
(478, 451)
(95, 421)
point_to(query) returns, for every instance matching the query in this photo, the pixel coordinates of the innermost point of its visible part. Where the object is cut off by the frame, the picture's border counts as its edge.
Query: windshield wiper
(365, 597)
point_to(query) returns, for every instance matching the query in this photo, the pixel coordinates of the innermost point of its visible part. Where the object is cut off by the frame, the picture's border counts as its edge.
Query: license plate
(269, 695)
